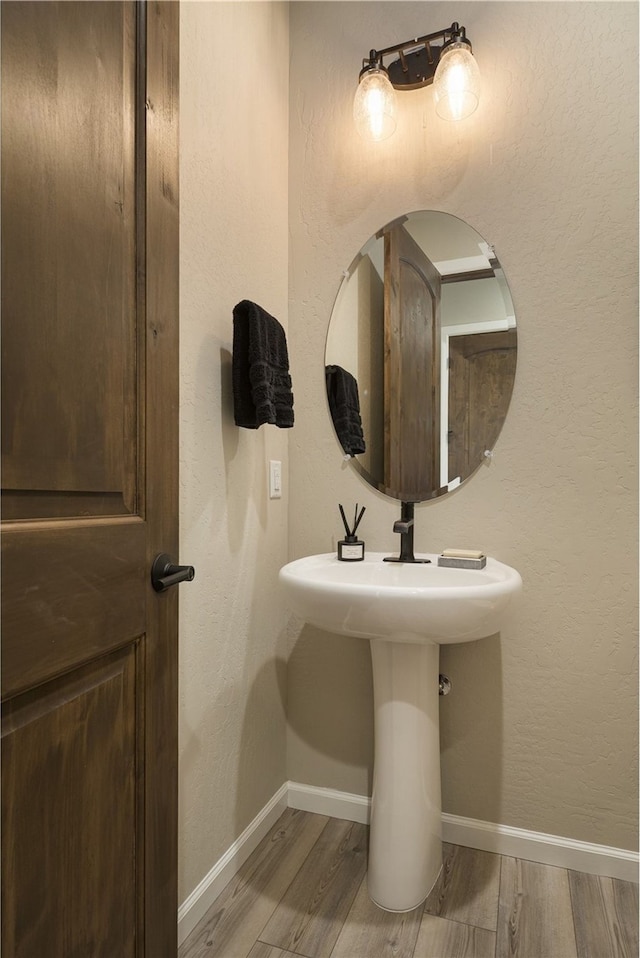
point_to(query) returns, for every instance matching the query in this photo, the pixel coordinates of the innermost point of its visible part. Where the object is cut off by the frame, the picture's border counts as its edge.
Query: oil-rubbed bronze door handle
(165, 573)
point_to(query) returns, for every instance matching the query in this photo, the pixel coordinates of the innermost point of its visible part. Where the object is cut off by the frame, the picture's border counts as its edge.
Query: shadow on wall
(330, 704)
(472, 710)
(263, 724)
(245, 468)
(331, 723)
(230, 432)
(333, 720)
(208, 416)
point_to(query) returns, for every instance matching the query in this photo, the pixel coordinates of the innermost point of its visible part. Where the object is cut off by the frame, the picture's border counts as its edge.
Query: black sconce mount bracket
(418, 59)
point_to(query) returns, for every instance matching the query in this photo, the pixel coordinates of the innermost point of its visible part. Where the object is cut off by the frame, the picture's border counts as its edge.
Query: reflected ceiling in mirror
(420, 356)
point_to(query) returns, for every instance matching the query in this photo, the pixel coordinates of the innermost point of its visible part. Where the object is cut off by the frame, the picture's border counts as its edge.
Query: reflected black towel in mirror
(260, 369)
(344, 405)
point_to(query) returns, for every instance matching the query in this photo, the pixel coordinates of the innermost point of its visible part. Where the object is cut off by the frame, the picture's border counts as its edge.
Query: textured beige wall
(540, 731)
(233, 185)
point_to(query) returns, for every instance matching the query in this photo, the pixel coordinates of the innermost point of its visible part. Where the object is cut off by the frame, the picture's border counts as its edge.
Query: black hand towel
(260, 369)
(344, 405)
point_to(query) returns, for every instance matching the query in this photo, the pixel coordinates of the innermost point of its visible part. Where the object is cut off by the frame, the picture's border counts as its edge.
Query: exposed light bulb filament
(374, 106)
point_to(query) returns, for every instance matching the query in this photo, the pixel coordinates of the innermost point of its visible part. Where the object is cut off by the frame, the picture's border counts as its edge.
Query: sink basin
(400, 602)
(406, 611)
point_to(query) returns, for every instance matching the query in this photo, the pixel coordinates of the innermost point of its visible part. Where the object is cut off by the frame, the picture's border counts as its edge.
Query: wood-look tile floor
(303, 892)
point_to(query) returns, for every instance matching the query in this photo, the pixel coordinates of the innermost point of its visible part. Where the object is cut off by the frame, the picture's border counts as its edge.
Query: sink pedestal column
(405, 847)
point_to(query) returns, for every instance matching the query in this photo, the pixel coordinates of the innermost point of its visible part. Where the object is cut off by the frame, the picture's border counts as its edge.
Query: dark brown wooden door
(412, 287)
(481, 373)
(89, 470)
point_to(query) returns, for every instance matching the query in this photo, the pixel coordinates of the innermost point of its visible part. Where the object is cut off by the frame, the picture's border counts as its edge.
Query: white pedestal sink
(406, 611)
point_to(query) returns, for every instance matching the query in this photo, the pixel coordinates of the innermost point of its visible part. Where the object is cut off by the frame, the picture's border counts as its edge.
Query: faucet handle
(402, 525)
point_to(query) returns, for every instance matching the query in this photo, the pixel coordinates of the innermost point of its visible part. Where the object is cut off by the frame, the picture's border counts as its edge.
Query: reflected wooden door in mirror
(411, 360)
(481, 372)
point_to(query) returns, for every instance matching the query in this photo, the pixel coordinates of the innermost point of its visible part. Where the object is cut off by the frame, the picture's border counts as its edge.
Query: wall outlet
(275, 479)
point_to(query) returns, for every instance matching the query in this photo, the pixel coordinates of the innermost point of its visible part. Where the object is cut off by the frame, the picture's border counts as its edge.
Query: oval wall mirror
(420, 356)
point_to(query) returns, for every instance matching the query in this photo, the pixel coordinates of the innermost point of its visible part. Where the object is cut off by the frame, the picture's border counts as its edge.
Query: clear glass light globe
(456, 84)
(374, 106)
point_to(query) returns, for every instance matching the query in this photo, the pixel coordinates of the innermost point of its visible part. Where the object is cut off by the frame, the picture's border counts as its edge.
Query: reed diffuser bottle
(351, 549)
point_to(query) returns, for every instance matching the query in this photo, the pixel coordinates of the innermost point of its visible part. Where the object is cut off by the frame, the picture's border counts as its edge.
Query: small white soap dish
(462, 559)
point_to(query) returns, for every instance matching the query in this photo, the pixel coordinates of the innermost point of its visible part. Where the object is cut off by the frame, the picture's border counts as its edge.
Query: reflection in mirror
(420, 356)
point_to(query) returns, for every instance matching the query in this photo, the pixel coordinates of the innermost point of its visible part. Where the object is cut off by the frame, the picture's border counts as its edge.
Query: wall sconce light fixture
(449, 65)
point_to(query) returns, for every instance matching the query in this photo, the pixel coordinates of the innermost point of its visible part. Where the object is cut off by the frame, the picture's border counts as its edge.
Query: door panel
(71, 591)
(89, 468)
(69, 272)
(412, 356)
(80, 735)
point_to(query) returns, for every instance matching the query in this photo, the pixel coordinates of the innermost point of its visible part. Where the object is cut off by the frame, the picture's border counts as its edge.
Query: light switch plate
(275, 479)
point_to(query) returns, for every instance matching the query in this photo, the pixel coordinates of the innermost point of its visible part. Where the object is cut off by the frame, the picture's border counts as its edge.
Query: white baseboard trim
(195, 906)
(540, 847)
(327, 801)
(486, 836)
